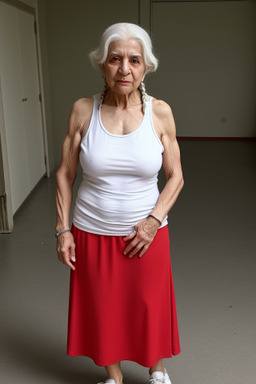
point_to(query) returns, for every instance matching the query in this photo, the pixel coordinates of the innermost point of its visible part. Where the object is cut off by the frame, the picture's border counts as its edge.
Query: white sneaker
(108, 381)
(158, 377)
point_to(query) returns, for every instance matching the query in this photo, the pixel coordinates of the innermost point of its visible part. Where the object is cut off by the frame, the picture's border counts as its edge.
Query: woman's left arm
(146, 229)
(165, 126)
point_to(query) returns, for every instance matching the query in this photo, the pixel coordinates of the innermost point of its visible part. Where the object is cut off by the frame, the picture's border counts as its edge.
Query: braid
(144, 95)
(103, 94)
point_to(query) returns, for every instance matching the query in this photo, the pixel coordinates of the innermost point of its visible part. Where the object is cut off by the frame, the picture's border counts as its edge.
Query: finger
(130, 236)
(71, 266)
(144, 249)
(136, 249)
(68, 263)
(73, 254)
(131, 245)
(67, 257)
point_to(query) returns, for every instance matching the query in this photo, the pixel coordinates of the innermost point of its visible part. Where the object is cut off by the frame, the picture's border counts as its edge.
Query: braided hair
(103, 94)
(144, 95)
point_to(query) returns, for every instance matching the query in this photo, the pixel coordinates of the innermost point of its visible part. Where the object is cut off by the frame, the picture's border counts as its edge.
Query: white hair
(122, 31)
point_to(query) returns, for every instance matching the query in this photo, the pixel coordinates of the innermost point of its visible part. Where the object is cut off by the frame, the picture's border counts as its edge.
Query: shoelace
(157, 381)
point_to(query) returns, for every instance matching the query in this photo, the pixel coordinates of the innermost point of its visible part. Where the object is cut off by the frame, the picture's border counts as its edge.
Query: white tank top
(120, 174)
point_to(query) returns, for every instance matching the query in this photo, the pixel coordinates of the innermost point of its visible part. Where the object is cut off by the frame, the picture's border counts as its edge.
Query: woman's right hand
(66, 249)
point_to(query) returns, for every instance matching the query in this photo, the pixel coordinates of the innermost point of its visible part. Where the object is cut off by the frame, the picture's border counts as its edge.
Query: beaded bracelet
(63, 231)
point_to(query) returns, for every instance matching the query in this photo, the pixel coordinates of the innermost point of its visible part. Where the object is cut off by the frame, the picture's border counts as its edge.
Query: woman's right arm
(65, 178)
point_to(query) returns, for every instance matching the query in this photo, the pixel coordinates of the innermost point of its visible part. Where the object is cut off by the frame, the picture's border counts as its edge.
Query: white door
(21, 104)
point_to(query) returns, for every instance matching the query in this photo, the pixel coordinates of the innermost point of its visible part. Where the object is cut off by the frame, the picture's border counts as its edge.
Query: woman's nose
(124, 68)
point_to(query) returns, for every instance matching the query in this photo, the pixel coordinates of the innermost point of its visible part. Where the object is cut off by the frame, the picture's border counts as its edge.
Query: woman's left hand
(142, 236)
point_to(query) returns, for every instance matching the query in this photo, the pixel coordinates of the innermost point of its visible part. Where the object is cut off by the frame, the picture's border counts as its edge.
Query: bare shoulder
(161, 108)
(80, 115)
(163, 118)
(82, 105)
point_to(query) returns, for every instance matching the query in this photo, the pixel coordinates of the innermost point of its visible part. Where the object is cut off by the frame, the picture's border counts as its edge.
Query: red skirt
(122, 308)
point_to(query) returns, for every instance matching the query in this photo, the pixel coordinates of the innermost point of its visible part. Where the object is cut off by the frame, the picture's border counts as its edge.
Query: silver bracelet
(63, 231)
(156, 218)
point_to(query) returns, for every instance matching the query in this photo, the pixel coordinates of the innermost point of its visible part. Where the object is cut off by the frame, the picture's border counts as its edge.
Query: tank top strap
(96, 99)
(95, 110)
(149, 121)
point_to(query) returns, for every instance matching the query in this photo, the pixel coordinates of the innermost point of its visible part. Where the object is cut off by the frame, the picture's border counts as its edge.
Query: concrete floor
(213, 244)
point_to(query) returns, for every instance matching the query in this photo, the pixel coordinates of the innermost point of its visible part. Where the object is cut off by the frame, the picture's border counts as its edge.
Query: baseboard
(200, 138)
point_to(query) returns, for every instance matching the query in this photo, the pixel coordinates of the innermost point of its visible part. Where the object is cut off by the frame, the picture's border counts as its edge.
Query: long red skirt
(122, 308)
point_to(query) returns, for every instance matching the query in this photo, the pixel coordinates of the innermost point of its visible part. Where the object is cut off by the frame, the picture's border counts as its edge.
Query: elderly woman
(122, 304)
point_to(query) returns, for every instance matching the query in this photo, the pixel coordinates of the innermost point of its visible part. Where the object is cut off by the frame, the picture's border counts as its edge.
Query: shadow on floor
(37, 354)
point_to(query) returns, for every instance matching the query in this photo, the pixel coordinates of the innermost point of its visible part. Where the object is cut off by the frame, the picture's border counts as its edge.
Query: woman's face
(124, 68)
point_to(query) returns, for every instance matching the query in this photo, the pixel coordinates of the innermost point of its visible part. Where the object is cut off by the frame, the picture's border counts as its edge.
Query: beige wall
(207, 61)
(207, 68)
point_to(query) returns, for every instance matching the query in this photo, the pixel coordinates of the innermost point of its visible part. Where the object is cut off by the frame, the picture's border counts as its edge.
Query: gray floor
(213, 244)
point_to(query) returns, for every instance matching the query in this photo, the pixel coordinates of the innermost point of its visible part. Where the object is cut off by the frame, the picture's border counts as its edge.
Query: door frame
(6, 215)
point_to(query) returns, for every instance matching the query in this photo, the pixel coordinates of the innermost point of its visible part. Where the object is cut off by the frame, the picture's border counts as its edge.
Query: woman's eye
(135, 61)
(115, 59)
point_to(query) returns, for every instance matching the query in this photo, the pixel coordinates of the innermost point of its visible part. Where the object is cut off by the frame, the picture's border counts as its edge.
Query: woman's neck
(122, 101)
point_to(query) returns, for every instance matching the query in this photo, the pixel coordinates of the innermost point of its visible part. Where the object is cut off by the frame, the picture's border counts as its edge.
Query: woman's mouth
(123, 82)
